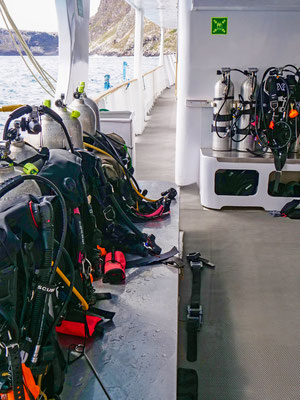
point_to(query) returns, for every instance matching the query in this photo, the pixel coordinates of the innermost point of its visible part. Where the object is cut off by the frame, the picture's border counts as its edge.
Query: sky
(37, 15)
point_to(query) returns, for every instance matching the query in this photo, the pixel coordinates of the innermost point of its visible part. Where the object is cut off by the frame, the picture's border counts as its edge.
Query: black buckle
(196, 264)
(195, 256)
(196, 261)
(195, 314)
(109, 213)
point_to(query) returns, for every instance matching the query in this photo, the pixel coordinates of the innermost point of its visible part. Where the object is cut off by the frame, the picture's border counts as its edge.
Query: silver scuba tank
(90, 102)
(53, 136)
(87, 115)
(248, 95)
(8, 171)
(223, 105)
(71, 121)
(73, 125)
(20, 151)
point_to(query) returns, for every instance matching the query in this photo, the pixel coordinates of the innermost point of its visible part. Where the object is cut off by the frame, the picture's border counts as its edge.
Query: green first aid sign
(219, 26)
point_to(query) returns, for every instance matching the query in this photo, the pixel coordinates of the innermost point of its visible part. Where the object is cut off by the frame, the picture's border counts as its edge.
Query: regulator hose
(69, 283)
(130, 178)
(19, 112)
(59, 120)
(41, 300)
(10, 184)
(220, 109)
(116, 158)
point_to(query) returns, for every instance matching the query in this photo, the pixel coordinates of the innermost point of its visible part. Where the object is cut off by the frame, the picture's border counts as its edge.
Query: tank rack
(214, 162)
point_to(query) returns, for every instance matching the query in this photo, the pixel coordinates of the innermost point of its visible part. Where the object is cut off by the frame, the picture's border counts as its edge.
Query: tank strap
(223, 118)
(244, 131)
(223, 98)
(222, 129)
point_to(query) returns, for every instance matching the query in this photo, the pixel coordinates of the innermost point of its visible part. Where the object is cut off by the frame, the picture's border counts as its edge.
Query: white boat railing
(126, 95)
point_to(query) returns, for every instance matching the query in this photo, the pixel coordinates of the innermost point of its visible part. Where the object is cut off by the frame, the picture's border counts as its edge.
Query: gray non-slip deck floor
(249, 344)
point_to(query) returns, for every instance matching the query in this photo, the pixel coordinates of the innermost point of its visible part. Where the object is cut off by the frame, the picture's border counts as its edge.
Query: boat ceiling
(161, 12)
(247, 5)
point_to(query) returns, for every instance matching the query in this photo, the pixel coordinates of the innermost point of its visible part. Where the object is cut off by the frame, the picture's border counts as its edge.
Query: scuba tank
(53, 136)
(90, 102)
(87, 115)
(19, 150)
(9, 171)
(223, 105)
(244, 139)
(71, 121)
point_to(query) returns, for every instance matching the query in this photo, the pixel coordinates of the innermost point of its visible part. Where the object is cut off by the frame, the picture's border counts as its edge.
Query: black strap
(194, 314)
(223, 98)
(222, 118)
(101, 312)
(102, 296)
(248, 111)
(289, 209)
(143, 261)
(16, 371)
(222, 129)
(43, 154)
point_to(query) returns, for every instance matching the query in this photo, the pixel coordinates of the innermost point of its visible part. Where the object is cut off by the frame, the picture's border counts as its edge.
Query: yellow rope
(90, 146)
(11, 107)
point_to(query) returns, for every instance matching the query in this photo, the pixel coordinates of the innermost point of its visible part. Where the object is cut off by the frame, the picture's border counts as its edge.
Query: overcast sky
(37, 15)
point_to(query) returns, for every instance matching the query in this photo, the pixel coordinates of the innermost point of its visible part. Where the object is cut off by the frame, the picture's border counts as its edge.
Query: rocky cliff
(40, 43)
(112, 31)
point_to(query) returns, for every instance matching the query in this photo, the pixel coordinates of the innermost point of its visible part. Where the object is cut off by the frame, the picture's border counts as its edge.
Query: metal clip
(8, 347)
(196, 264)
(109, 213)
(195, 314)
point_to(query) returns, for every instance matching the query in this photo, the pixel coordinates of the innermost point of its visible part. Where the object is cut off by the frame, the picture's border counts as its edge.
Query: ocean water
(17, 85)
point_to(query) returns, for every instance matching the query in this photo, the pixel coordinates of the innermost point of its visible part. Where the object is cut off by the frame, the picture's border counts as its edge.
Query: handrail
(113, 89)
(152, 70)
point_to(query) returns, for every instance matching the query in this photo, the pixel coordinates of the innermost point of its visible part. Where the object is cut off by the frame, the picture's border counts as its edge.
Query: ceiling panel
(161, 12)
(251, 5)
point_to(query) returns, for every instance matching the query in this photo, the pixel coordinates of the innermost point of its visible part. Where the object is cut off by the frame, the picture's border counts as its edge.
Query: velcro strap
(223, 98)
(101, 312)
(248, 111)
(244, 131)
(222, 129)
(144, 261)
(192, 329)
(222, 118)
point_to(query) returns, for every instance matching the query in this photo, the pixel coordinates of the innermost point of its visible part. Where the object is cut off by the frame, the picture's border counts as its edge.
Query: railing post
(138, 57)
(161, 49)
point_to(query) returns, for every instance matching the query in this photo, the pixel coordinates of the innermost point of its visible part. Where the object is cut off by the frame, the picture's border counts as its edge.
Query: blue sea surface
(17, 85)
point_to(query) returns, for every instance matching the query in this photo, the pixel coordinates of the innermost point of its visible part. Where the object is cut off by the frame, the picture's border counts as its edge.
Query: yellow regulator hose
(90, 146)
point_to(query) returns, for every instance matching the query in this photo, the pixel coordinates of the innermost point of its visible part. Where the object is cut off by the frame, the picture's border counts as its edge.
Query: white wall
(255, 39)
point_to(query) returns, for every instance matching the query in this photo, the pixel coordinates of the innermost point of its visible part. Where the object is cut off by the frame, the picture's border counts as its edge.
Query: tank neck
(5, 167)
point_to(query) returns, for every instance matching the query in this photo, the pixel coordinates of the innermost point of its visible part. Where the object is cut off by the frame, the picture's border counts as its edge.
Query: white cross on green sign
(219, 26)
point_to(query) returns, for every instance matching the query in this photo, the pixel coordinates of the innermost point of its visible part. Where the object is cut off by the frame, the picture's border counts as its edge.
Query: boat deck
(137, 356)
(248, 347)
